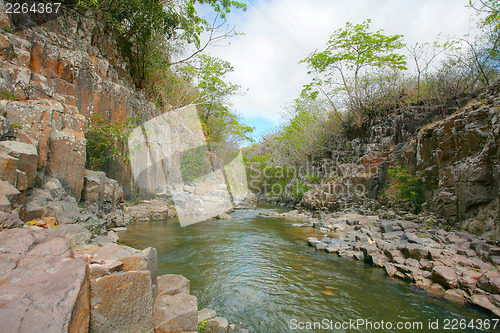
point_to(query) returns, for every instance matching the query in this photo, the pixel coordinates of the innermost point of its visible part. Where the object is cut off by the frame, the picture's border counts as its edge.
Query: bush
(104, 140)
(408, 187)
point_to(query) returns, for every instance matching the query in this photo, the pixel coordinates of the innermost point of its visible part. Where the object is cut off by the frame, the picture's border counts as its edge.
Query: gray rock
(445, 276)
(320, 246)
(206, 314)
(76, 233)
(9, 220)
(216, 325)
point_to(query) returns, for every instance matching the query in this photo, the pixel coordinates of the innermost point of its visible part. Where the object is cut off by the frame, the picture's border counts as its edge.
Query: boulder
(122, 302)
(76, 233)
(172, 284)
(206, 314)
(175, 313)
(445, 276)
(456, 296)
(489, 282)
(9, 193)
(44, 289)
(9, 220)
(216, 325)
(27, 157)
(93, 186)
(132, 259)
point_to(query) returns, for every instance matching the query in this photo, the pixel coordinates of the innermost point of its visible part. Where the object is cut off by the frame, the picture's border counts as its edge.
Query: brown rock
(43, 288)
(26, 155)
(456, 296)
(97, 270)
(436, 290)
(490, 282)
(175, 313)
(122, 302)
(445, 276)
(171, 284)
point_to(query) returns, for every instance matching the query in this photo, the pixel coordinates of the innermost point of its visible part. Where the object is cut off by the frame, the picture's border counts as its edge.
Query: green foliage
(298, 190)
(219, 122)
(349, 51)
(201, 326)
(107, 139)
(194, 164)
(17, 126)
(140, 25)
(5, 94)
(408, 187)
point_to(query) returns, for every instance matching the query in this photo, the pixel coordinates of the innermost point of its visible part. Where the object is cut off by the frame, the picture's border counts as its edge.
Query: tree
(220, 123)
(139, 25)
(352, 49)
(423, 54)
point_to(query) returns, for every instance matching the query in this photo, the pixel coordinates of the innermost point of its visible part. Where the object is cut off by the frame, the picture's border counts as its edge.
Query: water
(259, 271)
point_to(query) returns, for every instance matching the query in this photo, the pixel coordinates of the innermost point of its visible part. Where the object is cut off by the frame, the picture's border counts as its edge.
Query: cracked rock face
(43, 287)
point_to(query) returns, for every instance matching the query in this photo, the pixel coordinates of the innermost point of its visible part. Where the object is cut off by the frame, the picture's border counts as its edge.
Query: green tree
(141, 25)
(349, 51)
(220, 123)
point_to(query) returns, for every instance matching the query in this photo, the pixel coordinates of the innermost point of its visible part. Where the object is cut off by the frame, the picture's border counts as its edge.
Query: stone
(9, 220)
(456, 296)
(414, 251)
(122, 302)
(483, 301)
(93, 186)
(132, 260)
(9, 192)
(175, 313)
(76, 233)
(172, 284)
(489, 282)
(206, 314)
(436, 290)
(44, 289)
(8, 167)
(101, 240)
(216, 325)
(368, 250)
(320, 246)
(392, 236)
(98, 270)
(445, 276)
(27, 157)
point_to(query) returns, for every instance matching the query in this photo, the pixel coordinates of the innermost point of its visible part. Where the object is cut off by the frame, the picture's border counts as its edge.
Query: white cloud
(267, 63)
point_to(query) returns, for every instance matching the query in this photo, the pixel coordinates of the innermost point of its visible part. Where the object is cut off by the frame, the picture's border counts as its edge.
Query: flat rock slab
(175, 313)
(123, 303)
(40, 292)
(206, 314)
(172, 284)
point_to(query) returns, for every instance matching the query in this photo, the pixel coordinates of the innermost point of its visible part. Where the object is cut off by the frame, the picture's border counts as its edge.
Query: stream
(260, 271)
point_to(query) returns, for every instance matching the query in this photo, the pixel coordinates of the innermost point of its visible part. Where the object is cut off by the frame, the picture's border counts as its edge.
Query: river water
(260, 271)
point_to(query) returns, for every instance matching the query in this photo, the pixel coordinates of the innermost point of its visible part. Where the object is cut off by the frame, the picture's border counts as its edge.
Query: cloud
(266, 58)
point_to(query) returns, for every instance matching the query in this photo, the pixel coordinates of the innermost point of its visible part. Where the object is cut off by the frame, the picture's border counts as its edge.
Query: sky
(278, 34)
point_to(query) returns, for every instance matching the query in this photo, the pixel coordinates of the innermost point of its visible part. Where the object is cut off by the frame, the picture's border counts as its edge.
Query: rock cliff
(452, 147)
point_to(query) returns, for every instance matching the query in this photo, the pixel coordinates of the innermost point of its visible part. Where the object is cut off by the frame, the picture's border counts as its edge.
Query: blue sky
(280, 33)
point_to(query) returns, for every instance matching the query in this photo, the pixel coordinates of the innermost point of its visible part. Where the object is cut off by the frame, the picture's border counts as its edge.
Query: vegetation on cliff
(364, 78)
(162, 44)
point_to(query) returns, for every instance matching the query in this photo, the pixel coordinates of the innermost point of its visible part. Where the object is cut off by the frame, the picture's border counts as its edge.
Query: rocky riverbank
(456, 265)
(52, 284)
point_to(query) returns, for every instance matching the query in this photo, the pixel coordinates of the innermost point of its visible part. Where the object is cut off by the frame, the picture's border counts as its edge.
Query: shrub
(104, 140)
(409, 188)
